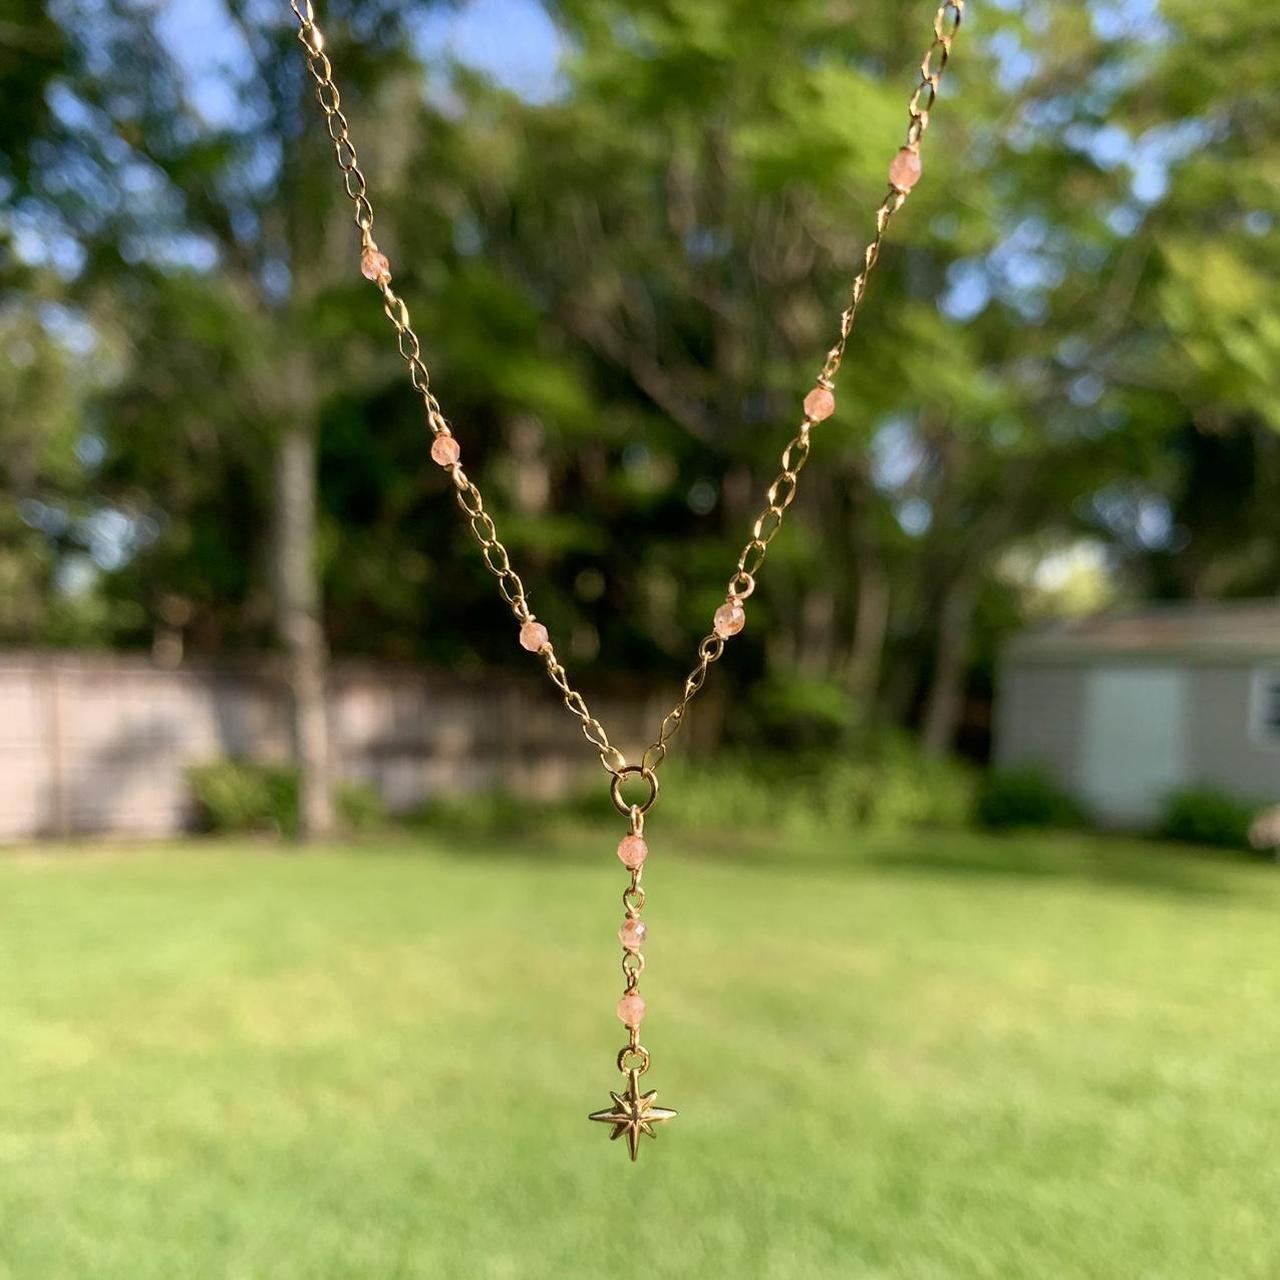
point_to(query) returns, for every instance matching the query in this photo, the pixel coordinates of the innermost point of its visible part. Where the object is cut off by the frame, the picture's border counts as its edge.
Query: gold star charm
(633, 1113)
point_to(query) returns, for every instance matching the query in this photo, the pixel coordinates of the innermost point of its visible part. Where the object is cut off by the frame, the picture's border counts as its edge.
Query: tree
(624, 290)
(209, 241)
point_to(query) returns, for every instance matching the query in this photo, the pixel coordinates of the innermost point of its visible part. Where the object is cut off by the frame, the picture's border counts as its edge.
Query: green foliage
(360, 806)
(483, 813)
(236, 796)
(1205, 815)
(46, 523)
(886, 785)
(239, 796)
(1025, 797)
(33, 51)
(797, 713)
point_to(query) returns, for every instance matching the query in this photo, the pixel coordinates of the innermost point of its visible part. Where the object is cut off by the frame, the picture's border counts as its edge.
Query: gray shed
(1122, 709)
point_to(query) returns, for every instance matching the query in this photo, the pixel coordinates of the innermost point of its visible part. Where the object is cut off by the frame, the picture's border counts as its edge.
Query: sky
(514, 41)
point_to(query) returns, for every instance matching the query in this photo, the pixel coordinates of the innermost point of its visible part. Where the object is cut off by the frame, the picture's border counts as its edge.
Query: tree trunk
(870, 626)
(815, 655)
(298, 621)
(946, 693)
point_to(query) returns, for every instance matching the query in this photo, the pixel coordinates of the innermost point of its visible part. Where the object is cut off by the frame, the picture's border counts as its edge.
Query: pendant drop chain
(632, 1113)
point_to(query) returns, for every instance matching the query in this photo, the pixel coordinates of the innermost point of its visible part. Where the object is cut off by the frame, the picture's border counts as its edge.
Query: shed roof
(1237, 631)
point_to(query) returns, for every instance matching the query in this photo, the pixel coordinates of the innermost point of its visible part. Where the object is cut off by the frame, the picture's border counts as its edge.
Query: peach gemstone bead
(632, 850)
(445, 451)
(729, 619)
(632, 934)
(374, 265)
(533, 635)
(819, 404)
(631, 1010)
(904, 170)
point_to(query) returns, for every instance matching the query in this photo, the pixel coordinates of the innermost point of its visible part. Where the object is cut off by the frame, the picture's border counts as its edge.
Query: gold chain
(632, 1112)
(818, 404)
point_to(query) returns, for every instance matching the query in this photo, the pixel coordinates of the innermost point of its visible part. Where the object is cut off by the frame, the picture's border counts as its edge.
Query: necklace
(631, 1113)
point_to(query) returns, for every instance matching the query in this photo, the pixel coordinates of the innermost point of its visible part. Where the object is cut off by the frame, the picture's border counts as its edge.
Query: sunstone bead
(904, 169)
(632, 850)
(374, 265)
(819, 404)
(445, 451)
(533, 635)
(631, 1010)
(729, 619)
(632, 934)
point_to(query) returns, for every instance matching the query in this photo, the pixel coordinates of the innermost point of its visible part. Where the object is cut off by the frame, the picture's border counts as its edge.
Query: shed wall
(1042, 710)
(1222, 749)
(1039, 719)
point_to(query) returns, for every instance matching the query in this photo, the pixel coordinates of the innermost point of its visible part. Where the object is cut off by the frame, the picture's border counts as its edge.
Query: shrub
(884, 784)
(360, 806)
(1025, 797)
(892, 784)
(1205, 815)
(239, 796)
(797, 714)
(493, 812)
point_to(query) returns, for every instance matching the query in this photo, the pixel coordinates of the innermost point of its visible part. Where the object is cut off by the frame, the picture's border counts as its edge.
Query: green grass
(923, 1057)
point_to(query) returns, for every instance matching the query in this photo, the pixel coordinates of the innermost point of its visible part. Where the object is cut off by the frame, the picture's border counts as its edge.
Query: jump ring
(615, 789)
(625, 1055)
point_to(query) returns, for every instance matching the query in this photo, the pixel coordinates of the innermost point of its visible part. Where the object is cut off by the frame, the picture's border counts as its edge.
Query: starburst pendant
(633, 1113)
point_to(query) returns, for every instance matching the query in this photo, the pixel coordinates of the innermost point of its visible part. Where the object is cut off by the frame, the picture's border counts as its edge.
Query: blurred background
(625, 236)
(1031, 584)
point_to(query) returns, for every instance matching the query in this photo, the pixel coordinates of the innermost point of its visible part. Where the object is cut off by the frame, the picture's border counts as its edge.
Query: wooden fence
(95, 743)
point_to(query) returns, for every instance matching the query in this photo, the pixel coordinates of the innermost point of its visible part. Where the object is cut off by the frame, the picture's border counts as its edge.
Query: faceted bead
(819, 404)
(632, 934)
(374, 265)
(445, 451)
(533, 635)
(729, 619)
(631, 1010)
(633, 851)
(904, 170)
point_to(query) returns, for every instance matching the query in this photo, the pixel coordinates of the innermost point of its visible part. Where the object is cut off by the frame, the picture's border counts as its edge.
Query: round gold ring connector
(615, 789)
(633, 1058)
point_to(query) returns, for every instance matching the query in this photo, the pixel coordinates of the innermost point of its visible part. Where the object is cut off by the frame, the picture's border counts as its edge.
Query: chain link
(780, 494)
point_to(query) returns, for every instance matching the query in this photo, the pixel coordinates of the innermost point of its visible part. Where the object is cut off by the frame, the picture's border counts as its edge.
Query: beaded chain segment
(632, 1113)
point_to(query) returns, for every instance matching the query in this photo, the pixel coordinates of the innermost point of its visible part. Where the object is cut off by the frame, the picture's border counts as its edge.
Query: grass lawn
(934, 1056)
